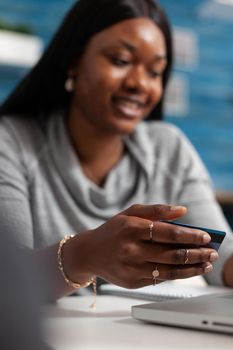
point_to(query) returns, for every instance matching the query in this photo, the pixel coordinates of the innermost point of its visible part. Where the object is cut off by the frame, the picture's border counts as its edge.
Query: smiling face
(118, 79)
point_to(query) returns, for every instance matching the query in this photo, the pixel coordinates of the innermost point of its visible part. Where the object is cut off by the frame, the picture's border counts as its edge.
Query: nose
(137, 79)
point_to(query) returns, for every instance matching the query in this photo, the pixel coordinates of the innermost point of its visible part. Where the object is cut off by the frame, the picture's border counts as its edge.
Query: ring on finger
(155, 274)
(186, 257)
(151, 226)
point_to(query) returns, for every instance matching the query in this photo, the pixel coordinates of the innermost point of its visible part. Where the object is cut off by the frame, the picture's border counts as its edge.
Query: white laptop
(207, 312)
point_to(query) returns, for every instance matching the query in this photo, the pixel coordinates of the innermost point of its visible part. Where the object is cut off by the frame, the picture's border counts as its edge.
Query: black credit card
(216, 236)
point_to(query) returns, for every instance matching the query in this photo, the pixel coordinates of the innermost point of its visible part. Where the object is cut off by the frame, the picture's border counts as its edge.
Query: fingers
(169, 272)
(173, 234)
(142, 242)
(155, 212)
(165, 243)
(144, 274)
(163, 254)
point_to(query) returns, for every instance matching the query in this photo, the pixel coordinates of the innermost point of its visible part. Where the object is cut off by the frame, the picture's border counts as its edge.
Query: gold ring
(155, 274)
(186, 258)
(151, 226)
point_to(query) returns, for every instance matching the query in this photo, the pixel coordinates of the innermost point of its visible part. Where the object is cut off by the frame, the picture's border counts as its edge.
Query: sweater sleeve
(203, 210)
(15, 214)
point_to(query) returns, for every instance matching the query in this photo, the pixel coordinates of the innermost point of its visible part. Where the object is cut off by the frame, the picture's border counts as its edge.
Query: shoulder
(163, 136)
(18, 125)
(162, 130)
(169, 146)
(20, 136)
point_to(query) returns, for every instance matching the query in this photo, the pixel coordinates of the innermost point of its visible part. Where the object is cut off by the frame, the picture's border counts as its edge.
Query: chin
(124, 124)
(126, 127)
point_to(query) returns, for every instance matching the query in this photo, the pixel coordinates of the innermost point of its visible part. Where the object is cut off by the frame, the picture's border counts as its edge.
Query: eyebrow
(132, 49)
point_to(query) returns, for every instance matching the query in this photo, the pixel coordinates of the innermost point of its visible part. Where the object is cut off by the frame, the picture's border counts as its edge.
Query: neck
(98, 152)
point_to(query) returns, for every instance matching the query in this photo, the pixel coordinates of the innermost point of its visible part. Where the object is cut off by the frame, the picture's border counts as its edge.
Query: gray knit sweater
(44, 194)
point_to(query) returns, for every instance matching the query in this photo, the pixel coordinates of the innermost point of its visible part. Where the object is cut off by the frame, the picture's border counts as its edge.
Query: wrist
(74, 262)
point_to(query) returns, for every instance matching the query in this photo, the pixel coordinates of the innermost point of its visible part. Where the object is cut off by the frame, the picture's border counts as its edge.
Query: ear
(72, 72)
(73, 69)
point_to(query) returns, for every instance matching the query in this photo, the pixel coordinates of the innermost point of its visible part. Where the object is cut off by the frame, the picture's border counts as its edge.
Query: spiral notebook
(165, 291)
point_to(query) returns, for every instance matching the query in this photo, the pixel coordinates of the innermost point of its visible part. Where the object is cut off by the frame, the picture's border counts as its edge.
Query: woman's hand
(130, 246)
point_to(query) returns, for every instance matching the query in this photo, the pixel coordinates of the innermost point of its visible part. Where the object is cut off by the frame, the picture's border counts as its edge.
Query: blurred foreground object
(20, 294)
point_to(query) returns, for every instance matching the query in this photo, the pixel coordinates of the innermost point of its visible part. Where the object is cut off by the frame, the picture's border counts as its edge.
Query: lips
(130, 107)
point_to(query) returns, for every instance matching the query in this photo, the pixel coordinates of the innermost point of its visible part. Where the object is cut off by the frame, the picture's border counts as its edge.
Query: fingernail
(177, 207)
(206, 238)
(213, 256)
(208, 267)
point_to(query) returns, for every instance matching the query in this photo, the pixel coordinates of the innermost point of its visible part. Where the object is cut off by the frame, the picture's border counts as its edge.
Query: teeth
(129, 103)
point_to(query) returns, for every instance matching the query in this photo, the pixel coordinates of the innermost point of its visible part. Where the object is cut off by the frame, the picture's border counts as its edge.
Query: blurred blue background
(200, 98)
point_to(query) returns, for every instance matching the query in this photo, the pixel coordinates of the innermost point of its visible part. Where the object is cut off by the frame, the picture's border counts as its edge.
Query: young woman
(77, 153)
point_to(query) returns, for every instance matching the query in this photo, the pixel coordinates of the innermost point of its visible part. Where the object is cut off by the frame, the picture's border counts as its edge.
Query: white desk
(71, 324)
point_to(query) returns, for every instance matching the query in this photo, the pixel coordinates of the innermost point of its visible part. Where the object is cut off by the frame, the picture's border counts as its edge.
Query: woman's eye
(155, 74)
(119, 61)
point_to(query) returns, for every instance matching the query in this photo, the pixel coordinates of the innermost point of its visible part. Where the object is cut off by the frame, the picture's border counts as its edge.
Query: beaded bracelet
(72, 284)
